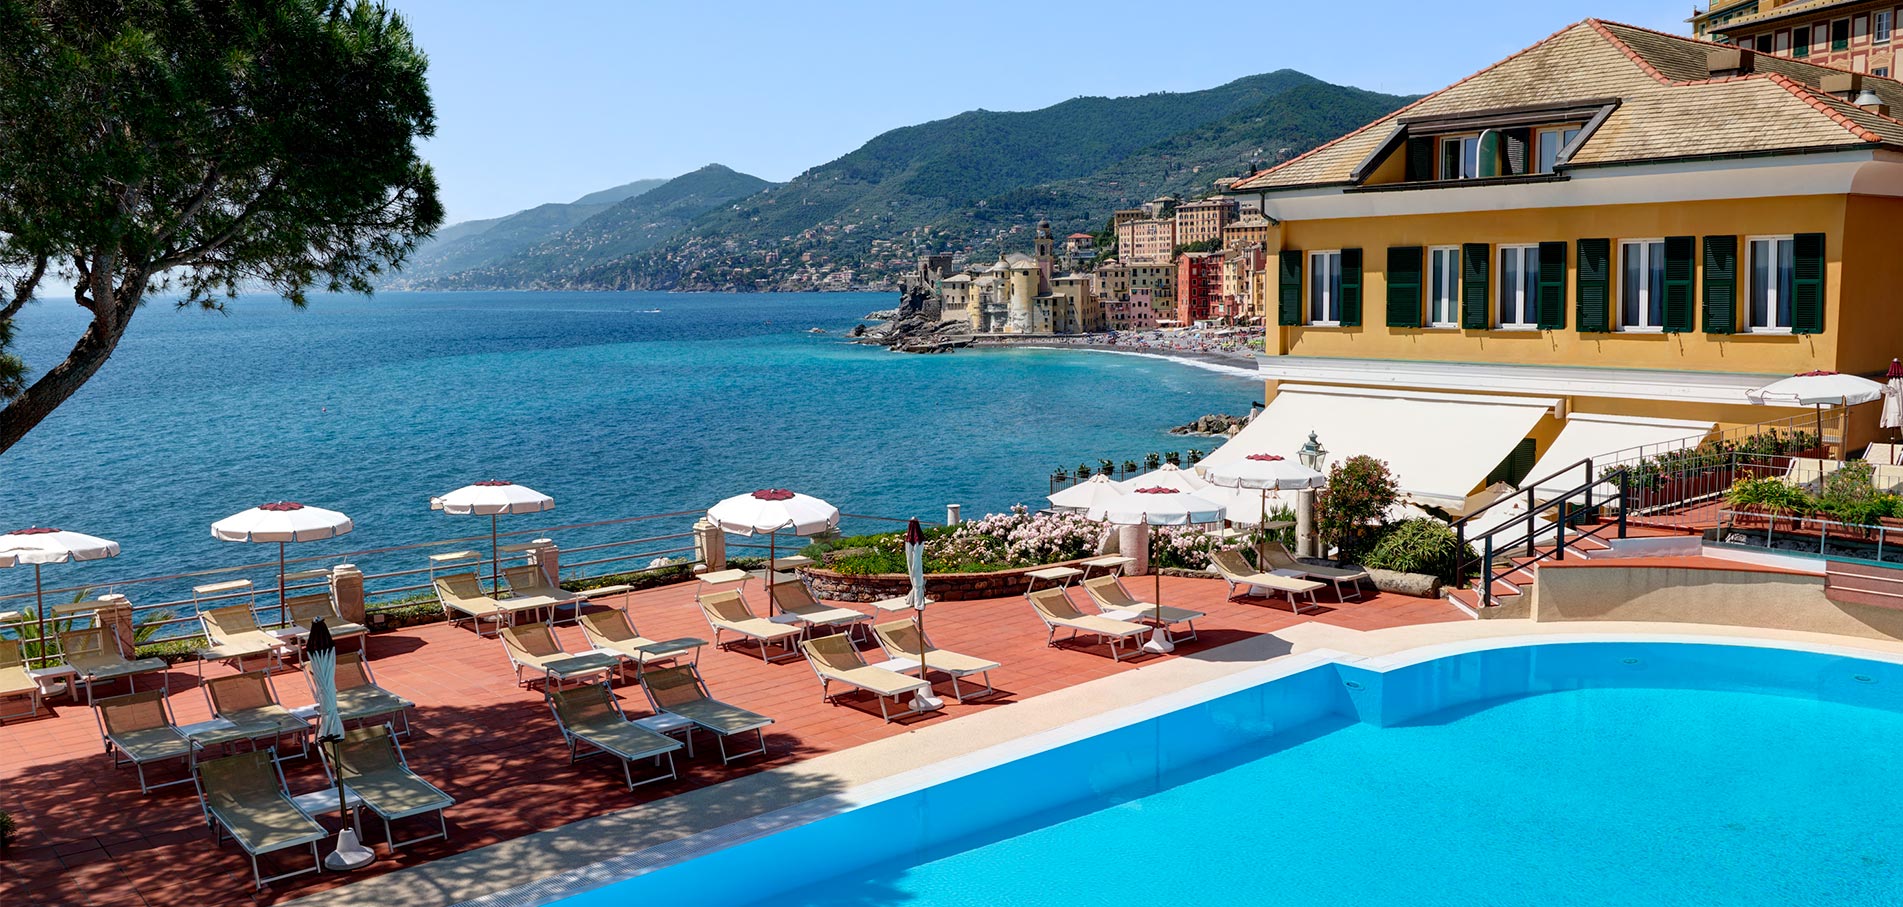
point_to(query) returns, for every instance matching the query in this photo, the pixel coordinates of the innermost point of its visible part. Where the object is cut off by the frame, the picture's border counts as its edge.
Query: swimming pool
(1554, 774)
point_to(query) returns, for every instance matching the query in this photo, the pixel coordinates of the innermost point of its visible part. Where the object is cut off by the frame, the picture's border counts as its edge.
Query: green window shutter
(1404, 287)
(1351, 288)
(1420, 159)
(1807, 284)
(1289, 310)
(1678, 284)
(1552, 309)
(1594, 288)
(1473, 285)
(1489, 153)
(1721, 284)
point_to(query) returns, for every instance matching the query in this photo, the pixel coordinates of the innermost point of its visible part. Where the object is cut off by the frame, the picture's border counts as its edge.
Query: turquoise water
(1586, 797)
(372, 406)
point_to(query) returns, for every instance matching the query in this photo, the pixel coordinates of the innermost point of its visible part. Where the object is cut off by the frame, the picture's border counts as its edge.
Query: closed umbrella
(1162, 506)
(772, 511)
(322, 653)
(41, 545)
(1818, 389)
(493, 498)
(915, 565)
(1893, 395)
(282, 522)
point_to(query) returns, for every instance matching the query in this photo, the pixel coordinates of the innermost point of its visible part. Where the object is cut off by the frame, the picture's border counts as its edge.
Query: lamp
(1312, 454)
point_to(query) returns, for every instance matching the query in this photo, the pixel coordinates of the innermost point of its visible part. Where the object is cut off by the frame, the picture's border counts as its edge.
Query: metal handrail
(1530, 486)
(1487, 575)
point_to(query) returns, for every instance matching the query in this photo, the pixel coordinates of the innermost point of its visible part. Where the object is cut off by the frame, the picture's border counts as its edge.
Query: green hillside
(469, 244)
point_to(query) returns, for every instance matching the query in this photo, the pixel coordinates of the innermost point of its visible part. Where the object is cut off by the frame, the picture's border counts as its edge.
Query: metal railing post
(1531, 534)
(1486, 575)
(1559, 534)
(1590, 482)
(1625, 502)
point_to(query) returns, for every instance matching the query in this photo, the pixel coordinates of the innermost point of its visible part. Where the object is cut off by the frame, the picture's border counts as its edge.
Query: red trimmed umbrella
(281, 522)
(492, 499)
(40, 545)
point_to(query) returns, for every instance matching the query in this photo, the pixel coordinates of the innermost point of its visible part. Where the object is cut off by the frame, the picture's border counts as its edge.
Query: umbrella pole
(495, 558)
(39, 611)
(772, 554)
(282, 614)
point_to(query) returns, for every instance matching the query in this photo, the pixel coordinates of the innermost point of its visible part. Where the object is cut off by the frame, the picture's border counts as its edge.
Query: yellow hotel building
(1598, 243)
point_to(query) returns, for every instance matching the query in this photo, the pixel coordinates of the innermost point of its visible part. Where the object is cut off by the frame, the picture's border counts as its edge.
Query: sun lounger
(371, 765)
(358, 696)
(243, 796)
(1809, 472)
(534, 646)
(901, 640)
(250, 705)
(300, 611)
(96, 656)
(529, 585)
(1236, 571)
(234, 636)
(611, 631)
(1882, 454)
(15, 682)
(462, 598)
(679, 690)
(139, 728)
(1057, 611)
(1282, 563)
(1887, 478)
(590, 714)
(727, 611)
(792, 597)
(836, 660)
(1114, 599)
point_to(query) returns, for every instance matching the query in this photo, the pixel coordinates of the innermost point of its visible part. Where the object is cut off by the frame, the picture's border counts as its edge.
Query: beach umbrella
(492, 499)
(282, 522)
(1818, 389)
(321, 651)
(1263, 472)
(1162, 506)
(1088, 497)
(41, 545)
(1169, 475)
(915, 565)
(1893, 395)
(773, 510)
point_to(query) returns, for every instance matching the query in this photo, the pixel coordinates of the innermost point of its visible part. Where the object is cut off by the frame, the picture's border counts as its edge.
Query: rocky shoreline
(1214, 425)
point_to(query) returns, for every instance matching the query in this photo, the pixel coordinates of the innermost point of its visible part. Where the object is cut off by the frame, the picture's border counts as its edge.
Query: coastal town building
(1243, 270)
(1116, 281)
(1134, 312)
(1021, 294)
(1251, 230)
(1857, 35)
(1198, 285)
(1568, 254)
(1203, 221)
(1147, 240)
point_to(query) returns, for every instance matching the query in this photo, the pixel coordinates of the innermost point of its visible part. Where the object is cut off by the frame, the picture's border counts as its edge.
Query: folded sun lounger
(529, 585)
(612, 631)
(1059, 613)
(590, 714)
(1282, 563)
(836, 660)
(727, 611)
(234, 636)
(679, 690)
(250, 704)
(372, 767)
(901, 639)
(1113, 598)
(139, 727)
(243, 796)
(15, 682)
(792, 597)
(462, 598)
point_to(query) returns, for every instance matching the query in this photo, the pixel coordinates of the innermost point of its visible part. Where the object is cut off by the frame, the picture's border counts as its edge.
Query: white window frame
(1887, 20)
(1563, 136)
(1645, 287)
(1453, 287)
(1330, 292)
(1440, 149)
(1750, 284)
(1526, 296)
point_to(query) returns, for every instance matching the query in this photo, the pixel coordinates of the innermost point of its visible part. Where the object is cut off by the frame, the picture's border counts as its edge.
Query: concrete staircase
(1863, 584)
(1512, 591)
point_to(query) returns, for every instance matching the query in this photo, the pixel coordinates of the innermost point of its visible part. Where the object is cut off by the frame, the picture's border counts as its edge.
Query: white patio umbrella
(1160, 505)
(41, 545)
(1169, 475)
(282, 522)
(492, 499)
(1263, 472)
(1893, 396)
(923, 700)
(1088, 497)
(773, 510)
(1818, 389)
(321, 650)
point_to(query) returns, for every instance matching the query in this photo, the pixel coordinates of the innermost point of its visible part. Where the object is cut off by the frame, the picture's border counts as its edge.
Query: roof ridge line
(1804, 93)
(1416, 103)
(1691, 40)
(1644, 65)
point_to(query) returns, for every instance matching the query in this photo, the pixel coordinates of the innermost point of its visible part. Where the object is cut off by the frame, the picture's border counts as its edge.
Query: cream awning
(1439, 446)
(1594, 435)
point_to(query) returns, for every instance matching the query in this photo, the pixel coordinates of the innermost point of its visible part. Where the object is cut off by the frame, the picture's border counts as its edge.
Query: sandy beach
(1225, 354)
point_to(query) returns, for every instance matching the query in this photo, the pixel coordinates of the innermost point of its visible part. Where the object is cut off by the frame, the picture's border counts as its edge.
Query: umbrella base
(1160, 643)
(925, 702)
(349, 854)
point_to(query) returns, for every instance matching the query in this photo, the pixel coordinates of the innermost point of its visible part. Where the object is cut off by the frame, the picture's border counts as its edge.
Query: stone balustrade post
(115, 611)
(1134, 542)
(547, 556)
(954, 514)
(1305, 523)
(710, 545)
(346, 592)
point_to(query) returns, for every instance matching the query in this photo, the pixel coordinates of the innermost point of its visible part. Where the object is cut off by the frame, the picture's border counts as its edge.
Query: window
(1764, 44)
(1552, 142)
(1860, 29)
(1324, 288)
(1460, 157)
(1783, 42)
(1840, 34)
(1880, 26)
(1642, 285)
(1773, 272)
(1443, 288)
(1519, 287)
(1883, 71)
(1800, 41)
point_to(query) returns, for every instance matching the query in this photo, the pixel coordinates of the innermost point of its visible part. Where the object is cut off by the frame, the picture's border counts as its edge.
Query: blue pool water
(1640, 774)
(614, 408)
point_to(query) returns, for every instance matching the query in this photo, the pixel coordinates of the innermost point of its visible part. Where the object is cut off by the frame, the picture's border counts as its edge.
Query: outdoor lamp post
(1312, 455)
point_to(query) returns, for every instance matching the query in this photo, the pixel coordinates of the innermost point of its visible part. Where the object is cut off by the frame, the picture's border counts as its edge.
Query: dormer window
(1551, 141)
(1460, 157)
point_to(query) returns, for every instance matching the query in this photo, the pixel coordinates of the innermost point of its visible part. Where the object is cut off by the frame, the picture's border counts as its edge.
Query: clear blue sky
(547, 101)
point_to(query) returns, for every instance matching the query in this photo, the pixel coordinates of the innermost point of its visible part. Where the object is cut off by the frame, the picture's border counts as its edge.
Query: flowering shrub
(1184, 547)
(999, 541)
(1347, 512)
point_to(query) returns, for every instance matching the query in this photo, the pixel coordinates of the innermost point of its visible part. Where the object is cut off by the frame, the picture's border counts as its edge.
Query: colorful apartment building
(1198, 285)
(1243, 269)
(1021, 294)
(1569, 255)
(1147, 240)
(1251, 230)
(1855, 35)
(1203, 221)
(1115, 281)
(1135, 312)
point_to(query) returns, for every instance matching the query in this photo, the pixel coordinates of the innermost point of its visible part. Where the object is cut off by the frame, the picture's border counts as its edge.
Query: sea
(615, 404)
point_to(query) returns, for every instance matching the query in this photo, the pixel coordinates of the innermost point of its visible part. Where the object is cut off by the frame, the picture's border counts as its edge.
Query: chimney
(1868, 100)
(1730, 61)
(1845, 85)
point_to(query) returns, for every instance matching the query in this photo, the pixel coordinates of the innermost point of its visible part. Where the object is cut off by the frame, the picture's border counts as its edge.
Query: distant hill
(616, 231)
(473, 243)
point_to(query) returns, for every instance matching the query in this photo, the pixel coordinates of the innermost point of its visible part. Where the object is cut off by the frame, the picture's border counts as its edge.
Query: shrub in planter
(1420, 545)
(1771, 495)
(1347, 512)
